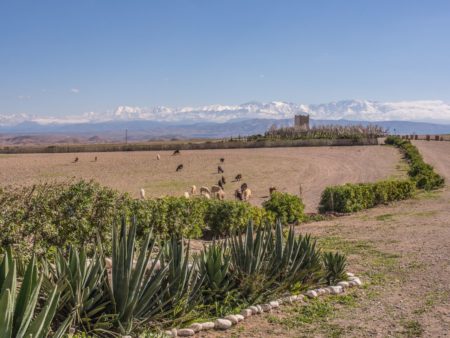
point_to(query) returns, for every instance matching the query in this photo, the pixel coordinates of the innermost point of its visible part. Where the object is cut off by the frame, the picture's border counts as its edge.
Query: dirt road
(402, 251)
(311, 168)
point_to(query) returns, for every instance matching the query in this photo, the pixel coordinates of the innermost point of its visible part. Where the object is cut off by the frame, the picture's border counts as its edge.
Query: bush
(354, 197)
(285, 207)
(422, 173)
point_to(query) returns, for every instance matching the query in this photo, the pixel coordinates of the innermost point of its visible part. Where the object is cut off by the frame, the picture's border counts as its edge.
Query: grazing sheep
(142, 193)
(95, 159)
(158, 157)
(219, 170)
(206, 195)
(222, 160)
(246, 194)
(223, 180)
(244, 186)
(176, 152)
(179, 167)
(238, 177)
(238, 194)
(186, 194)
(205, 190)
(220, 195)
(272, 189)
(220, 184)
(76, 160)
(193, 190)
(215, 189)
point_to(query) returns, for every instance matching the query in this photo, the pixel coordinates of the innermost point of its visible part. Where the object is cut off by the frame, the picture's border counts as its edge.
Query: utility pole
(126, 136)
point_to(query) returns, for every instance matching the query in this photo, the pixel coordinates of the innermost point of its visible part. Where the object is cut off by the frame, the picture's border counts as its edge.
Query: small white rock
(168, 333)
(356, 280)
(240, 318)
(197, 327)
(349, 274)
(266, 307)
(185, 332)
(232, 319)
(254, 309)
(280, 301)
(207, 326)
(246, 313)
(260, 310)
(335, 290)
(321, 291)
(311, 294)
(274, 304)
(222, 324)
(344, 284)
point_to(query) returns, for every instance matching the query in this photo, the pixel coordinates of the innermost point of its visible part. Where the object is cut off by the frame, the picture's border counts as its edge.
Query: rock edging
(233, 319)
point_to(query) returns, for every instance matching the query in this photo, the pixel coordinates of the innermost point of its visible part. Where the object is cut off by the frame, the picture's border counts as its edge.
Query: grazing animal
(95, 159)
(176, 152)
(205, 190)
(186, 194)
(272, 189)
(76, 160)
(222, 160)
(244, 186)
(238, 177)
(215, 189)
(179, 167)
(206, 195)
(238, 194)
(246, 194)
(219, 170)
(142, 193)
(193, 190)
(223, 180)
(220, 195)
(158, 157)
(220, 184)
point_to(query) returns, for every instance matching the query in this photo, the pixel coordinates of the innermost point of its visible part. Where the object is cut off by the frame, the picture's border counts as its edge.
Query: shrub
(354, 197)
(285, 207)
(335, 265)
(422, 173)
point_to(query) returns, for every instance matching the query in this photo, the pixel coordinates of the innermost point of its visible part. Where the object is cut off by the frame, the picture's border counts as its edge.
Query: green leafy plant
(18, 311)
(285, 207)
(335, 267)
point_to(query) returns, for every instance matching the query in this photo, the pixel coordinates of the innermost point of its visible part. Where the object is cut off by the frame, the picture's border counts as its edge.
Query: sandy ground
(311, 168)
(402, 252)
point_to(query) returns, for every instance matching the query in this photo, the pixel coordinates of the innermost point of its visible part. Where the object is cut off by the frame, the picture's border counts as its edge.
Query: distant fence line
(186, 146)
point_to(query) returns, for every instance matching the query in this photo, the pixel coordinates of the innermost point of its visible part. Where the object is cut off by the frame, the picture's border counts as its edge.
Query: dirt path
(402, 251)
(312, 168)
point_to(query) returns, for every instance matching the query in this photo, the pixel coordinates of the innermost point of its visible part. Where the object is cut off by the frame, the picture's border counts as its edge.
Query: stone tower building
(302, 122)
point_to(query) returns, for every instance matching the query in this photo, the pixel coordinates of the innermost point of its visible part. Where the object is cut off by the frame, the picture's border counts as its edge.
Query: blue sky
(70, 57)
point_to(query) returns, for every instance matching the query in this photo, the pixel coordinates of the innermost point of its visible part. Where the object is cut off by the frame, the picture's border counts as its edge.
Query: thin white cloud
(24, 97)
(74, 90)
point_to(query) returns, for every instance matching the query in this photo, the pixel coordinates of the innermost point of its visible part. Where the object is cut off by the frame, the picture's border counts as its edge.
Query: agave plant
(335, 266)
(17, 311)
(83, 286)
(214, 266)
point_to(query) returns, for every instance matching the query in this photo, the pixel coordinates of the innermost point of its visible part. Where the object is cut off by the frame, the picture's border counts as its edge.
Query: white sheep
(246, 194)
(186, 194)
(220, 195)
(206, 195)
(205, 190)
(142, 193)
(193, 190)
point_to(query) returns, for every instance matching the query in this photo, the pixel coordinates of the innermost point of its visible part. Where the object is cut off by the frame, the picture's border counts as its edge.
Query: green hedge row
(354, 197)
(47, 216)
(420, 172)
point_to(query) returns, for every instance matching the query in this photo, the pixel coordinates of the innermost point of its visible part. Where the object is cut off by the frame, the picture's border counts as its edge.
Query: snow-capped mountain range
(354, 110)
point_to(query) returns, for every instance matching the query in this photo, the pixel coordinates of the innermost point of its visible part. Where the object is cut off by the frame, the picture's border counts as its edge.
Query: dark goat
(222, 160)
(238, 194)
(219, 170)
(179, 167)
(238, 177)
(244, 186)
(76, 160)
(220, 184)
(176, 152)
(223, 180)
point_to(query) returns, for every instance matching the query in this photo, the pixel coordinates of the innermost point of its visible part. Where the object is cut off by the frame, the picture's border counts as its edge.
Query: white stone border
(230, 320)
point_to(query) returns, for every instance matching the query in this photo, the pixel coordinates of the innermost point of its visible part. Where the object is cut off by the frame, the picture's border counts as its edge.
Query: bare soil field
(402, 252)
(289, 169)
